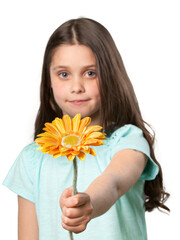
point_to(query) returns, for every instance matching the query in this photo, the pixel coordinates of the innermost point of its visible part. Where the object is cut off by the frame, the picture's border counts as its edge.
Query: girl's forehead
(72, 48)
(73, 54)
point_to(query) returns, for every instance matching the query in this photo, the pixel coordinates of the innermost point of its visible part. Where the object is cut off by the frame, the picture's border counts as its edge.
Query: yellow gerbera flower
(66, 137)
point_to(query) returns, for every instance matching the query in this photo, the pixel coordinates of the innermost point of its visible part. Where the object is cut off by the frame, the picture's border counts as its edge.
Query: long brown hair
(116, 91)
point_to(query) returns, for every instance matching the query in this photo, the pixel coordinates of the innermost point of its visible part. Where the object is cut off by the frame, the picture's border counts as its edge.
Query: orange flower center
(71, 141)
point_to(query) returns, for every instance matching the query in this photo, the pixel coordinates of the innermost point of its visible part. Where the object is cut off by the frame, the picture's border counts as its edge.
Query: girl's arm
(121, 174)
(27, 220)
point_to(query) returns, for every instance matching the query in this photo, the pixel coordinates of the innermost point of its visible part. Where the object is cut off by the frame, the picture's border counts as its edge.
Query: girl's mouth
(78, 102)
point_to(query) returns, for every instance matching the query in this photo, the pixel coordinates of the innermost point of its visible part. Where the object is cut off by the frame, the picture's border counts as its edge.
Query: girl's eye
(91, 74)
(63, 75)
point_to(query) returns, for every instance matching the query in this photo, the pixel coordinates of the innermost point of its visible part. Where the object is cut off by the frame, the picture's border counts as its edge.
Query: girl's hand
(76, 210)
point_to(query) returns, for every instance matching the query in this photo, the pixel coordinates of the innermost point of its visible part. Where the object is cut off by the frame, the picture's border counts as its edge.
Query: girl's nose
(77, 86)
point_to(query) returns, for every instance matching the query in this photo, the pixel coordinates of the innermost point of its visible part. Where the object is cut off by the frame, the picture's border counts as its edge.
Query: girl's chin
(83, 114)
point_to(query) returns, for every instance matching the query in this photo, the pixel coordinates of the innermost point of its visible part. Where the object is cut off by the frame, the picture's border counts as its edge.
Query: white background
(147, 36)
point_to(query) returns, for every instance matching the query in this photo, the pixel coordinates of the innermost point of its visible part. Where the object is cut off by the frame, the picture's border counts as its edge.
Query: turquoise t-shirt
(41, 179)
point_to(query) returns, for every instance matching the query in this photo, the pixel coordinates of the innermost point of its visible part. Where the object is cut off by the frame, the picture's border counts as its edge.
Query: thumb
(65, 194)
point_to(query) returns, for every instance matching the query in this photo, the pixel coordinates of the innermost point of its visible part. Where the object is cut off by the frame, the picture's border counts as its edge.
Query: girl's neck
(95, 119)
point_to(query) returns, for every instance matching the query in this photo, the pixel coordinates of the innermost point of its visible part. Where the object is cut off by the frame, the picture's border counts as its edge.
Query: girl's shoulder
(30, 148)
(131, 137)
(20, 178)
(29, 157)
(30, 151)
(124, 132)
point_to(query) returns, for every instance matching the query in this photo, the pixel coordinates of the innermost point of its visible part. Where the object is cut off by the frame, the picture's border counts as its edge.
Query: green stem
(71, 236)
(74, 185)
(75, 176)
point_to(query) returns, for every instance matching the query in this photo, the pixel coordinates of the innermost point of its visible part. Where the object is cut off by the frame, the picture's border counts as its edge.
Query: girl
(84, 73)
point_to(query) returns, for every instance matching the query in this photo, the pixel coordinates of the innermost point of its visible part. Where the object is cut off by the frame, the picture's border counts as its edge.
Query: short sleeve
(20, 176)
(131, 137)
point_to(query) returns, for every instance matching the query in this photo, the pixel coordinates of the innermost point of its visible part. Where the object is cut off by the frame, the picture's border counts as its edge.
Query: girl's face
(74, 81)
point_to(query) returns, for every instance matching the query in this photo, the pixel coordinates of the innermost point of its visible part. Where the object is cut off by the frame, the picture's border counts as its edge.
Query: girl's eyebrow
(66, 67)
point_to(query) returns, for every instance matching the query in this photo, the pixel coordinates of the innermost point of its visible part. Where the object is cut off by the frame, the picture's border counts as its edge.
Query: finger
(75, 229)
(73, 212)
(78, 200)
(77, 212)
(67, 192)
(82, 199)
(64, 196)
(74, 222)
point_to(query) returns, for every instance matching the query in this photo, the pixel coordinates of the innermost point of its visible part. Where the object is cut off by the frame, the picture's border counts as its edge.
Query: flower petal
(54, 152)
(70, 157)
(93, 142)
(81, 156)
(85, 149)
(96, 135)
(91, 129)
(84, 122)
(89, 141)
(49, 140)
(67, 123)
(92, 152)
(47, 134)
(75, 122)
(51, 128)
(59, 124)
(56, 155)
